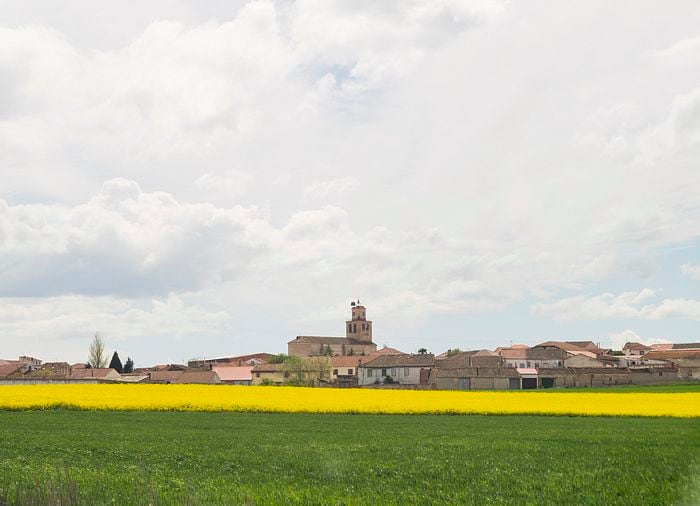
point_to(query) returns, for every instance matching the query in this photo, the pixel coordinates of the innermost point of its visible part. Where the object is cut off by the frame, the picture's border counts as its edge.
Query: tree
(422, 351)
(96, 356)
(128, 365)
(317, 370)
(327, 351)
(452, 352)
(352, 352)
(116, 363)
(294, 370)
(278, 359)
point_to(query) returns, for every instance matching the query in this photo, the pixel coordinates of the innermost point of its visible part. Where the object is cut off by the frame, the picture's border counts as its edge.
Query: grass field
(174, 457)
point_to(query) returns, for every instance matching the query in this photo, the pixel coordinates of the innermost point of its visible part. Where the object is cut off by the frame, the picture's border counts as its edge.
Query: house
(585, 361)
(587, 346)
(29, 360)
(10, 369)
(402, 369)
(164, 376)
(449, 376)
(535, 357)
(635, 349)
(675, 346)
(198, 376)
(357, 340)
(252, 359)
(345, 366)
(103, 373)
(687, 361)
(48, 370)
(234, 375)
(268, 373)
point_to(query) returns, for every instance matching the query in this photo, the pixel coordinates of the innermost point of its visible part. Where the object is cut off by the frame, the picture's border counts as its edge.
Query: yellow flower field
(330, 400)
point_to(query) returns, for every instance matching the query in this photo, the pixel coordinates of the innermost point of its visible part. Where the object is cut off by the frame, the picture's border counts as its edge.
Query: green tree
(294, 369)
(278, 359)
(96, 355)
(452, 352)
(422, 351)
(116, 363)
(129, 365)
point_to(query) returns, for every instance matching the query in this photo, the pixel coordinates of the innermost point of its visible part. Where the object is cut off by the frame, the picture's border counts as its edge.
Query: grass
(74, 457)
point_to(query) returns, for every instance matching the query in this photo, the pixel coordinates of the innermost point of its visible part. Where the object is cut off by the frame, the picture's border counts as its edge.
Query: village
(356, 361)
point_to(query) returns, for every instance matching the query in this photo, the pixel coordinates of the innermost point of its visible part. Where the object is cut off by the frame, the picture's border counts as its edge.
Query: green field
(203, 458)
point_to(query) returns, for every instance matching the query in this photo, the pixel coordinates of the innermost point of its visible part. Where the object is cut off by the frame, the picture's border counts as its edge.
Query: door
(529, 383)
(464, 383)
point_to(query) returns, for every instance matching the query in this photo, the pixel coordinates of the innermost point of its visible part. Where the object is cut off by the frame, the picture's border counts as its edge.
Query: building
(401, 369)
(272, 374)
(252, 359)
(357, 340)
(234, 375)
(103, 373)
(635, 349)
(198, 376)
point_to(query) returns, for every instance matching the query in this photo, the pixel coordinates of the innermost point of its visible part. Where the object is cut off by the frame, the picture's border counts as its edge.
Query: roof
(526, 370)
(387, 351)
(198, 377)
(635, 346)
(349, 360)
(485, 353)
(562, 345)
(514, 353)
(586, 345)
(405, 360)
(6, 369)
(349, 341)
(268, 368)
(92, 373)
(134, 378)
(686, 346)
(165, 376)
(233, 373)
(671, 354)
(239, 360)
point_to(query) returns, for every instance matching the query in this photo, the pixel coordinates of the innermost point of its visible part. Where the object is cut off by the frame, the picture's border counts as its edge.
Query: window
(405, 371)
(369, 373)
(335, 372)
(537, 364)
(349, 328)
(286, 375)
(349, 372)
(393, 371)
(257, 374)
(528, 363)
(522, 365)
(383, 372)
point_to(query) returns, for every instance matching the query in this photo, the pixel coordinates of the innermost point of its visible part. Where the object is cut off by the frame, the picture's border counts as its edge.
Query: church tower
(358, 327)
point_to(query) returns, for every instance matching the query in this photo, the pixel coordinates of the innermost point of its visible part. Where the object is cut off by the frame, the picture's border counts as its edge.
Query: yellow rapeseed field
(329, 400)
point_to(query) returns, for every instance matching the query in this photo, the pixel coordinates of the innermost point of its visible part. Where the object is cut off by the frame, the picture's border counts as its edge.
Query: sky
(210, 178)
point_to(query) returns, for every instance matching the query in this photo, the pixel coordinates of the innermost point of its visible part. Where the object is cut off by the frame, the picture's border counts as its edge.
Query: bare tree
(96, 356)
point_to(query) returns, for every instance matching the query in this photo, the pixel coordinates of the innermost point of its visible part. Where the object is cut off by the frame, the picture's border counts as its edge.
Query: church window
(350, 328)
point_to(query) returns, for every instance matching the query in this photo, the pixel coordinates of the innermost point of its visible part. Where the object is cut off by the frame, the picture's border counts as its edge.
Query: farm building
(403, 369)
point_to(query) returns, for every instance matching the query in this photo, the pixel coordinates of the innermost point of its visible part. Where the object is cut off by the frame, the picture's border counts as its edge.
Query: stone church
(357, 340)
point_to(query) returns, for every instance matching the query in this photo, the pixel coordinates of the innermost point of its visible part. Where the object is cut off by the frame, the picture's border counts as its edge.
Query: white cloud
(617, 341)
(624, 305)
(691, 270)
(231, 183)
(335, 188)
(683, 52)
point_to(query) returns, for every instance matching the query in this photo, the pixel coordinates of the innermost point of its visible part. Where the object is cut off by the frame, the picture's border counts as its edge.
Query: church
(357, 340)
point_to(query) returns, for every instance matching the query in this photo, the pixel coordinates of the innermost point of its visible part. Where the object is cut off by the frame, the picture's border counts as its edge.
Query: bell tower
(358, 327)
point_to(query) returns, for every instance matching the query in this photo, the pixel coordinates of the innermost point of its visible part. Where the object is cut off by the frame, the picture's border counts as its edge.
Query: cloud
(617, 341)
(624, 305)
(691, 270)
(333, 188)
(124, 241)
(683, 52)
(231, 183)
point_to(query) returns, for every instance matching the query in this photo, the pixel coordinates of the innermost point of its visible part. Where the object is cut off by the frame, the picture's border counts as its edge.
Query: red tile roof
(233, 373)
